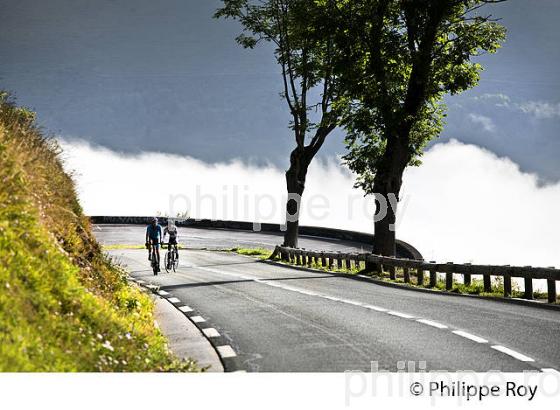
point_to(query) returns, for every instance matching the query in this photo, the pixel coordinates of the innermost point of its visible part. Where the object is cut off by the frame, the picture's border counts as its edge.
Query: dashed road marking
(512, 353)
(376, 308)
(550, 370)
(432, 323)
(198, 319)
(185, 309)
(211, 332)
(174, 300)
(461, 333)
(163, 293)
(399, 314)
(470, 336)
(226, 351)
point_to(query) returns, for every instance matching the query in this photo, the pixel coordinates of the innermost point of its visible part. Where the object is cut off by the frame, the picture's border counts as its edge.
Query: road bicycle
(171, 259)
(154, 259)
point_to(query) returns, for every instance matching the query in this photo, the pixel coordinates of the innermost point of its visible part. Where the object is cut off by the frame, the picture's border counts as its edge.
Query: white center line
(470, 336)
(376, 308)
(432, 323)
(512, 353)
(399, 314)
(461, 333)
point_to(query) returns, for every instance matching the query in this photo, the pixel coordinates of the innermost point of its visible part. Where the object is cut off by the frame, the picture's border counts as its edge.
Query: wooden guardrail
(421, 269)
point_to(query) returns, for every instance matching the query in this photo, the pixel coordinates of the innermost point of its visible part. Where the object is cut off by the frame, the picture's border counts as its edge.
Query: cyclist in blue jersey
(154, 237)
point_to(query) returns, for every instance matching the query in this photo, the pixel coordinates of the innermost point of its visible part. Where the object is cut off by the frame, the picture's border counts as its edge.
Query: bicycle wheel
(175, 262)
(154, 264)
(166, 261)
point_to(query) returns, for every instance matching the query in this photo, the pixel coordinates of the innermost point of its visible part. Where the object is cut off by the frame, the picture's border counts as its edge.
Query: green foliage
(63, 305)
(400, 58)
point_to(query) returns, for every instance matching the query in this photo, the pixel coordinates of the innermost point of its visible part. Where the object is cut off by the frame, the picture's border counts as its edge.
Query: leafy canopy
(400, 58)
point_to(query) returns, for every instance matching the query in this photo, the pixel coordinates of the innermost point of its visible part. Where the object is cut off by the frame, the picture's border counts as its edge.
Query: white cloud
(486, 122)
(464, 204)
(541, 109)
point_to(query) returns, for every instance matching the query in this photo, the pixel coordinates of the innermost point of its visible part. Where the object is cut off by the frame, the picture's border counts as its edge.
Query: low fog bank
(464, 204)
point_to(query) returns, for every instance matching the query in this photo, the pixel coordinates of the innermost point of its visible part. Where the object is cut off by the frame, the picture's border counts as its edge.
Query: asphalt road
(279, 318)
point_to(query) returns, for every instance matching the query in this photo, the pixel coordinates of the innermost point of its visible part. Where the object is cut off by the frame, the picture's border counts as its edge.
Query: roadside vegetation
(261, 253)
(64, 306)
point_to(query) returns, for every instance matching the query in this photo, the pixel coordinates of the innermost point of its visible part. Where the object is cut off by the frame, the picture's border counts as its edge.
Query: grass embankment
(63, 305)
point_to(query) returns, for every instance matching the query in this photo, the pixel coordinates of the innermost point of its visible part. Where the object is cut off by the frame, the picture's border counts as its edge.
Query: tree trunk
(387, 181)
(295, 183)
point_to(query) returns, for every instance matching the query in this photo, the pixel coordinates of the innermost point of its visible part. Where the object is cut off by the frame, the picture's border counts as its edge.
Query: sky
(144, 75)
(133, 86)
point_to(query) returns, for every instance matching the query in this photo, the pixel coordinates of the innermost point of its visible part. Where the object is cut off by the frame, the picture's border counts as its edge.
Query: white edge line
(432, 323)
(226, 351)
(185, 308)
(550, 370)
(174, 300)
(512, 353)
(210, 332)
(470, 336)
(197, 319)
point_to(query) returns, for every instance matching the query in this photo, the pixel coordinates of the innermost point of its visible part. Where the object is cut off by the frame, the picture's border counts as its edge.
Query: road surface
(279, 318)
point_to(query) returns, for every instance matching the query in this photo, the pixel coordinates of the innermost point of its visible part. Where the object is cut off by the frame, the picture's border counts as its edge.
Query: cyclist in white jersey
(171, 230)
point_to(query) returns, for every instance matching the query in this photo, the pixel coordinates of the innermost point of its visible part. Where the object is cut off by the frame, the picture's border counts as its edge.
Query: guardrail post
(310, 259)
(467, 279)
(406, 274)
(551, 289)
(433, 276)
(449, 277)
(528, 286)
(347, 262)
(420, 276)
(487, 279)
(507, 285)
(331, 261)
(339, 261)
(323, 260)
(291, 256)
(392, 272)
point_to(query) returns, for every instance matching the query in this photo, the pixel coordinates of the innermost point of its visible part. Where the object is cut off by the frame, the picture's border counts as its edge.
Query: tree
(402, 57)
(305, 56)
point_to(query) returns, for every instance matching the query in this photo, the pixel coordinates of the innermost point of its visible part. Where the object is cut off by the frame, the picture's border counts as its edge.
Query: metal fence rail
(421, 269)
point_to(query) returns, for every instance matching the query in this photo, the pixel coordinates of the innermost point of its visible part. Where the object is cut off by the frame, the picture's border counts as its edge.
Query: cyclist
(153, 238)
(171, 230)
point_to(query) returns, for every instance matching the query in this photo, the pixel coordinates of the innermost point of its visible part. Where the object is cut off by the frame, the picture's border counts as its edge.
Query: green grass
(63, 305)
(260, 252)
